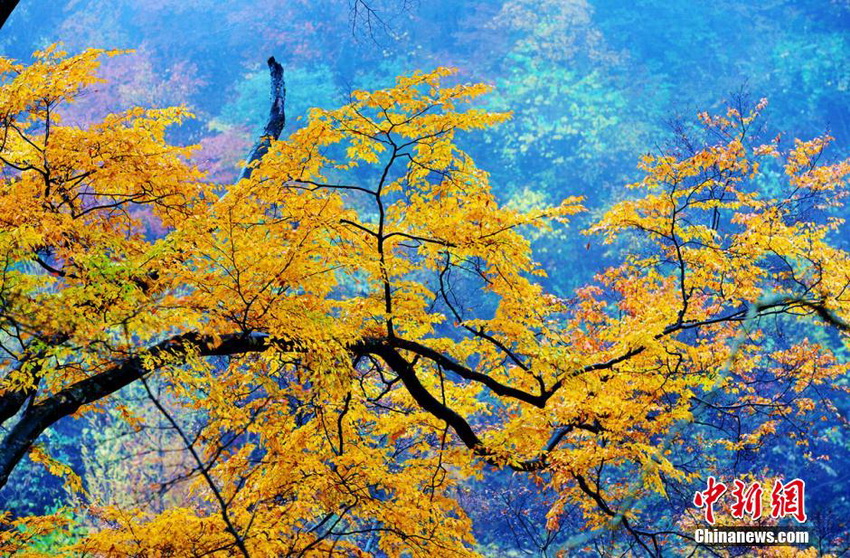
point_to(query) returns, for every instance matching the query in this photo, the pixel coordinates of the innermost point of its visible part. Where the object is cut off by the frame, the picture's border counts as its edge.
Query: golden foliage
(386, 331)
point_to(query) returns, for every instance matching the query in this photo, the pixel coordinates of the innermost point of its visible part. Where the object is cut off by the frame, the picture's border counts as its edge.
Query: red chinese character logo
(747, 500)
(708, 497)
(788, 500)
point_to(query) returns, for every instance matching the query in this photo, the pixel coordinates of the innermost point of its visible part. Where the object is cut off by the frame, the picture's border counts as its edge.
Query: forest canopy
(345, 337)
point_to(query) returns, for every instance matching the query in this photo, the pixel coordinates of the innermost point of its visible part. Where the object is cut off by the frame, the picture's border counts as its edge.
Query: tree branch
(6, 9)
(202, 467)
(37, 418)
(45, 413)
(496, 387)
(277, 118)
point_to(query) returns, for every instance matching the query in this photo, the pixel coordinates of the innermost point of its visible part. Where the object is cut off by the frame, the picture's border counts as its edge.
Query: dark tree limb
(277, 118)
(30, 366)
(817, 306)
(201, 467)
(42, 415)
(36, 418)
(6, 9)
(405, 370)
(618, 517)
(13, 400)
(464, 372)
(426, 400)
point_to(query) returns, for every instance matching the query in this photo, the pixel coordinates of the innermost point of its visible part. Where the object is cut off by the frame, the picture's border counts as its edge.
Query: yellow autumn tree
(344, 335)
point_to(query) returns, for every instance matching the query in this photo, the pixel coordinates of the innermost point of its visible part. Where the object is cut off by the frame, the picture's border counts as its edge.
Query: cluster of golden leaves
(369, 231)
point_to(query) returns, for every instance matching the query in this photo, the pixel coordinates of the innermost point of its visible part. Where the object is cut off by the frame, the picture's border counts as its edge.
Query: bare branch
(277, 118)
